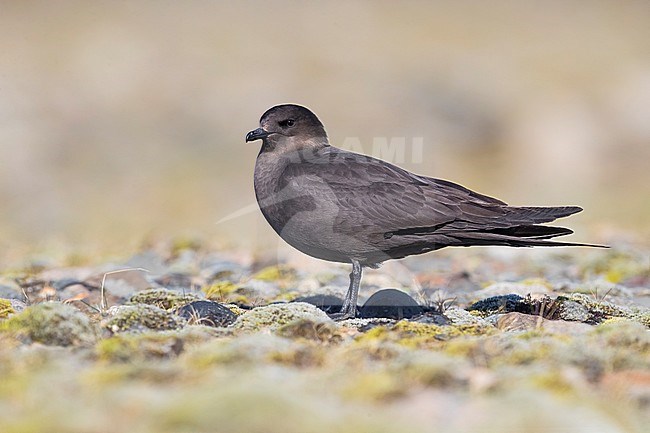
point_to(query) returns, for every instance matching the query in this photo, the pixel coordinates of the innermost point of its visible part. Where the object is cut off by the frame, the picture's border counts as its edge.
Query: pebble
(390, 304)
(208, 313)
(527, 322)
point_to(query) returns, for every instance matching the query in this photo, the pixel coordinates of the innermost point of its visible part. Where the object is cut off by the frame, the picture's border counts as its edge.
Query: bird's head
(289, 127)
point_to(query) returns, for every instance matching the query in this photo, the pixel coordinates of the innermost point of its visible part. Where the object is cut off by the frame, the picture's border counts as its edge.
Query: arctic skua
(345, 207)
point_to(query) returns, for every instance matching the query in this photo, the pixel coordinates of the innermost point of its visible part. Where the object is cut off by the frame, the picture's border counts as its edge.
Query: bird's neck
(272, 161)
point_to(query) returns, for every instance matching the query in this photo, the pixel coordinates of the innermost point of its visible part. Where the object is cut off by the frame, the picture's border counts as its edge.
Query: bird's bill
(256, 135)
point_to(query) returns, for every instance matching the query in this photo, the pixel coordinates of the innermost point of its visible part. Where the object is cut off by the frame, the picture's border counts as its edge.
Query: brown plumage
(345, 207)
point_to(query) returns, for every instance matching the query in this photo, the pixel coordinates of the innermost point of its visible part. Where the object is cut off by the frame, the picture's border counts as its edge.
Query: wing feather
(387, 199)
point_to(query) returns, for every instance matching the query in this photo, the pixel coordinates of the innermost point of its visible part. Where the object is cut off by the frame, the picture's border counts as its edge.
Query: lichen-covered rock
(640, 315)
(601, 310)
(440, 319)
(162, 298)
(51, 323)
(140, 318)
(17, 305)
(272, 317)
(573, 311)
(458, 316)
(9, 289)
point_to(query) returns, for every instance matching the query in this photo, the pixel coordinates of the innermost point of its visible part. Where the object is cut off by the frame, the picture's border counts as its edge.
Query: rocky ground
(181, 338)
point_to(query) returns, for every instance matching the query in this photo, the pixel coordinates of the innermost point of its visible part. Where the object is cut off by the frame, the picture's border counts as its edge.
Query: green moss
(371, 386)
(256, 350)
(223, 351)
(162, 298)
(358, 355)
(151, 345)
(623, 334)
(129, 347)
(499, 350)
(5, 308)
(414, 334)
(317, 330)
(402, 371)
(51, 323)
(275, 316)
(428, 368)
(554, 381)
(139, 372)
(468, 348)
(142, 317)
(300, 355)
(522, 351)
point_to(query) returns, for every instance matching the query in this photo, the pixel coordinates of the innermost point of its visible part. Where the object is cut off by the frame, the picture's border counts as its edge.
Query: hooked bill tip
(256, 134)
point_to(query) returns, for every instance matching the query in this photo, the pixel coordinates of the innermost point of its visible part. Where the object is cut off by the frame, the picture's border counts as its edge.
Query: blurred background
(123, 122)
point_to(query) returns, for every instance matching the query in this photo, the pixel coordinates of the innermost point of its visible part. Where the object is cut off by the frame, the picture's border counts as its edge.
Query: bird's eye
(286, 123)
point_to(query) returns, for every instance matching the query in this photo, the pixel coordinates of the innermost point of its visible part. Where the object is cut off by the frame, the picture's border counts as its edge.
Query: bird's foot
(344, 315)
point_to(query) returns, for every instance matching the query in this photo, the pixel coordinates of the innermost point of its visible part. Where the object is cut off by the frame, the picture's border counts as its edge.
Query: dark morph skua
(351, 208)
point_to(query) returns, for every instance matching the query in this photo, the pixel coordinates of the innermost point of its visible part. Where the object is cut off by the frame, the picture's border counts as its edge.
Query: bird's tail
(538, 215)
(521, 236)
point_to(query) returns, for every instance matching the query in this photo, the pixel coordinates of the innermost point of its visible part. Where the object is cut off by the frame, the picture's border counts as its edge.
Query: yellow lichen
(275, 273)
(553, 381)
(225, 291)
(5, 308)
(414, 334)
(185, 243)
(374, 386)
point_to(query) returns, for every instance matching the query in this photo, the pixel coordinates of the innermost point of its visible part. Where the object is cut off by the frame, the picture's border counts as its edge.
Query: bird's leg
(349, 308)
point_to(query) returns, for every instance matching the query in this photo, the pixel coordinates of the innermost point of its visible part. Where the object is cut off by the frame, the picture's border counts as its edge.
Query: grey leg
(349, 309)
